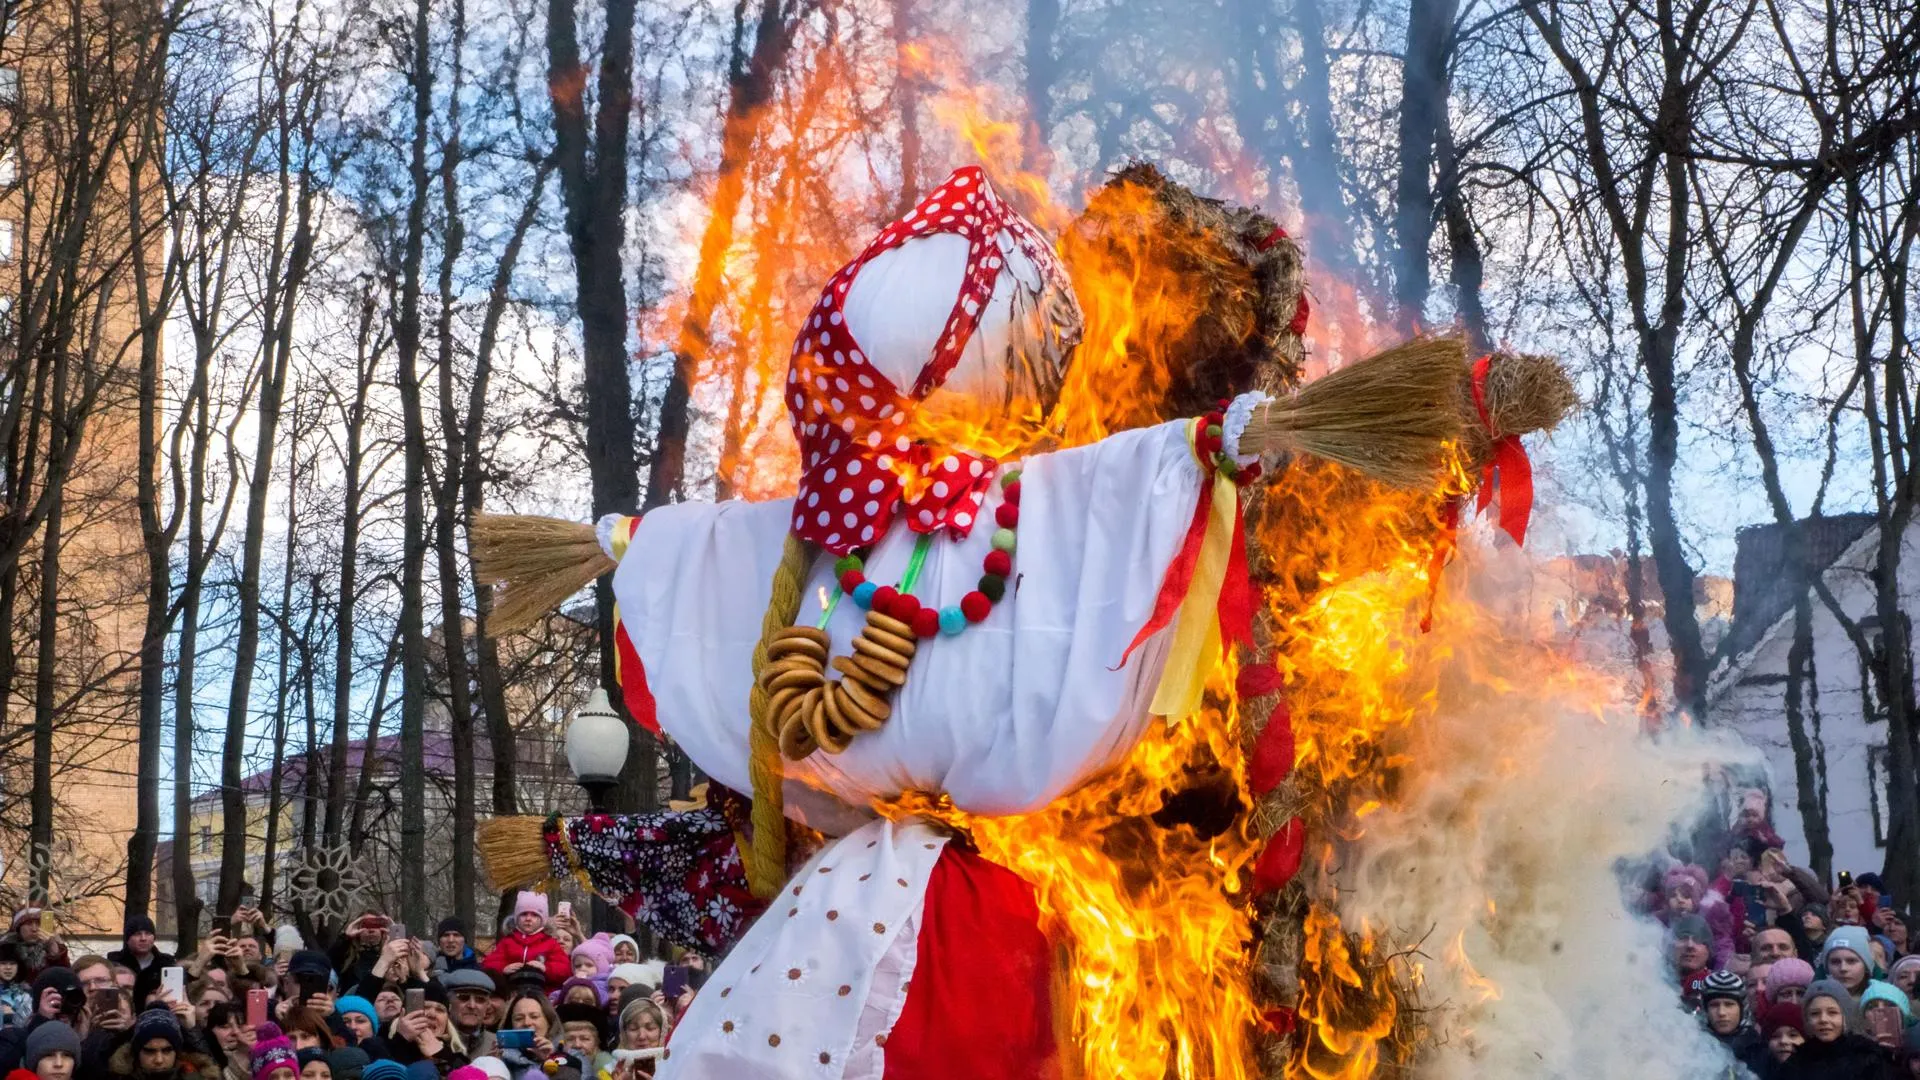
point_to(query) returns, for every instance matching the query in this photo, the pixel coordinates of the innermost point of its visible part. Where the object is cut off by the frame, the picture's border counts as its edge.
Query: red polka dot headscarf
(960, 293)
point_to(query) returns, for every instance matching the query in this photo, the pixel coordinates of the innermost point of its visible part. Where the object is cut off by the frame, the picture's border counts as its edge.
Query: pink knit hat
(598, 949)
(271, 1051)
(1791, 971)
(528, 900)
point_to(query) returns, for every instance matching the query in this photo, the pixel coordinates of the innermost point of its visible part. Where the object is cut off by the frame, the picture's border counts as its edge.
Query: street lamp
(597, 749)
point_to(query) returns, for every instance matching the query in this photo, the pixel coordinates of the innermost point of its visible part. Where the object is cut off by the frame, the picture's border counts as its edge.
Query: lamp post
(596, 752)
(597, 749)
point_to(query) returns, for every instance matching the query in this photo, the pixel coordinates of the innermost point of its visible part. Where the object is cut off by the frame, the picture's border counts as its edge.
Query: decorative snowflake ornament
(327, 881)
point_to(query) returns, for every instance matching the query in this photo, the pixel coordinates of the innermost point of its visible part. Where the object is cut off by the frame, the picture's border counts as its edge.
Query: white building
(1845, 718)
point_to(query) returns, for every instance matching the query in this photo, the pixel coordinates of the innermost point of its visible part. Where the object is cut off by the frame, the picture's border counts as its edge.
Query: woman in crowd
(1787, 981)
(307, 1030)
(643, 1025)
(1835, 1049)
(530, 1012)
(360, 947)
(427, 1035)
(37, 951)
(1904, 973)
(1885, 1011)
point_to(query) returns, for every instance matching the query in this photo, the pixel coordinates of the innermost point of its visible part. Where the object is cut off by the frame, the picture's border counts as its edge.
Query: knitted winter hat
(1899, 965)
(529, 900)
(1692, 927)
(1684, 877)
(1723, 984)
(310, 1055)
(157, 1023)
(466, 1072)
(590, 984)
(287, 941)
(272, 1050)
(1889, 993)
(617, 939)
(383, 1069)
(599, 950)
(450, 925)
(631, 974)
(493, 1067)
(1779, 1015)
(48, 1037)
(1791, 971)
(1827, 988)
(311, 962)
(347, 1062)
(1854, 939)
(354, 1003)
(21, 916)
(137, 924)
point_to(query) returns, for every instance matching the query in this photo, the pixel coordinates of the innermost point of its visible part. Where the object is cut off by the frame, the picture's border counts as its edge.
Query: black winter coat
(1850, 1057)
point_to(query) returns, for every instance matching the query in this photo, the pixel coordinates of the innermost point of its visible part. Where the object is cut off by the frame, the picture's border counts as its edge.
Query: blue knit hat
(354, 1003)
(383, 1069)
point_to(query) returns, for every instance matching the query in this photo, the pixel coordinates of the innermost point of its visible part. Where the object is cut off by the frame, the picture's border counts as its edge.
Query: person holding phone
(533, 1015)
(138, 952)
(529, 944)
(424, 1031)
(360, 947)
(1835, 1048)
(33, 938)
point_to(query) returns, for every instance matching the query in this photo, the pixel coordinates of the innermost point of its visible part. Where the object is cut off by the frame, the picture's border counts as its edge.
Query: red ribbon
(1508, 464)
(1236, 590)
(1281, 860)
(1272, 758)
(1179, 577)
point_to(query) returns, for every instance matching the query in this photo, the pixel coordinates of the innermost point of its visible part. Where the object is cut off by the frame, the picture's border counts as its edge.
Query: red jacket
(519, 948)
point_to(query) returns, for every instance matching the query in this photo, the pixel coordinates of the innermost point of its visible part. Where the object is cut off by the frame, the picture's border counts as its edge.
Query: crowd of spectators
(1796, 979)
(546, 1002)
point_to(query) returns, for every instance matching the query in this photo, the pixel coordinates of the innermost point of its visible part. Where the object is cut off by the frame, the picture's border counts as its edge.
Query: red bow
(1508, 464)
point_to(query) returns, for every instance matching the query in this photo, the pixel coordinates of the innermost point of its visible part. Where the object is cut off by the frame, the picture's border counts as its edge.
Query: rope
(766, 854)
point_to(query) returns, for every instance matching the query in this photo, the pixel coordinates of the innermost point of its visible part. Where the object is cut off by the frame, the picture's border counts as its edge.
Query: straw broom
(514, 851)
(535, 562)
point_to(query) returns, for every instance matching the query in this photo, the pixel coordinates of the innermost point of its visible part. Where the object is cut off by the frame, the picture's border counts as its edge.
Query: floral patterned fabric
(676, 871)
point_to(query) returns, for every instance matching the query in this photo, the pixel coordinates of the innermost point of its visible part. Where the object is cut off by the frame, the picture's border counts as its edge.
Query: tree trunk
(594, 193)
(45, 688)
(413, 647)
(446, 494)
(1316, 161)
(1811, 800)
(493, 690)
(1423, 102)
(1466, 264)
(1043, 70)
(367, 360)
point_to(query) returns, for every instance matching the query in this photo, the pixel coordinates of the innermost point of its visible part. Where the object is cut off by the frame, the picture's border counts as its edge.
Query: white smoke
(1528, 784)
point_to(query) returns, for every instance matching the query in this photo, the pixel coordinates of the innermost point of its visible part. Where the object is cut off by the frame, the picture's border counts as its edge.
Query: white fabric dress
(1004, 718)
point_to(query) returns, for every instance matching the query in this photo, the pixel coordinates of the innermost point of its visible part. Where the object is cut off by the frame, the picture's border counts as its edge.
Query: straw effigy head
(1524, 393)
(1213, 290)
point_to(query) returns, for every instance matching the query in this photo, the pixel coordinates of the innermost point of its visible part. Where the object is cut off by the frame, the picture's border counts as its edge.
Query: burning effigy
(1078, 658)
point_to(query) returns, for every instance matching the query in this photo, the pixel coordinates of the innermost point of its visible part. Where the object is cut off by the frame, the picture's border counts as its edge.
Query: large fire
(1149, 894)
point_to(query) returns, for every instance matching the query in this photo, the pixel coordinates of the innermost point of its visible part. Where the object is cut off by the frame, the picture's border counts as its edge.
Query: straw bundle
(1389, 416)
(1524, 394)
(514, 851)
(538, 561)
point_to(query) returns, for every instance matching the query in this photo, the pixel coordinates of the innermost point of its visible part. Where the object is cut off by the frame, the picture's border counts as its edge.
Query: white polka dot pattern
(847, 414)
(822, 974)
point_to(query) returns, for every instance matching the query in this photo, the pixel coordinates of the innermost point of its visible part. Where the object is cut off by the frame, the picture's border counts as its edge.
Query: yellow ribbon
(1196, 627)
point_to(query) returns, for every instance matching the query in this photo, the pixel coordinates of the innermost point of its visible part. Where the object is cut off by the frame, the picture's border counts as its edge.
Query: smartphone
(1750, 894)
(1884, 1023)
(374, 922)
(256, 1007)
(1846, 879)
(221, 924)
(565, 909)
(675, 982)
(416, 999)
(247, 899)
(514, 1038)
(102, 1002)
(173, 980)
(397, 931)
(46, 922)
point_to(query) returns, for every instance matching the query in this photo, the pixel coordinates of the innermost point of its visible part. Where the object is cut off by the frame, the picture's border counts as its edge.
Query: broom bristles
(1389, 416)
(514, 851)
(1524, 394)
(537, 563)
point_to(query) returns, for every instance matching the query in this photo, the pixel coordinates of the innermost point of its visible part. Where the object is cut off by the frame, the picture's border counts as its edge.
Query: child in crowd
(530, 945)
(16, 999)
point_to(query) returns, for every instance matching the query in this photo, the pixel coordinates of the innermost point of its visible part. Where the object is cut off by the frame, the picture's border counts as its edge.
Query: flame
(1156, 922)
